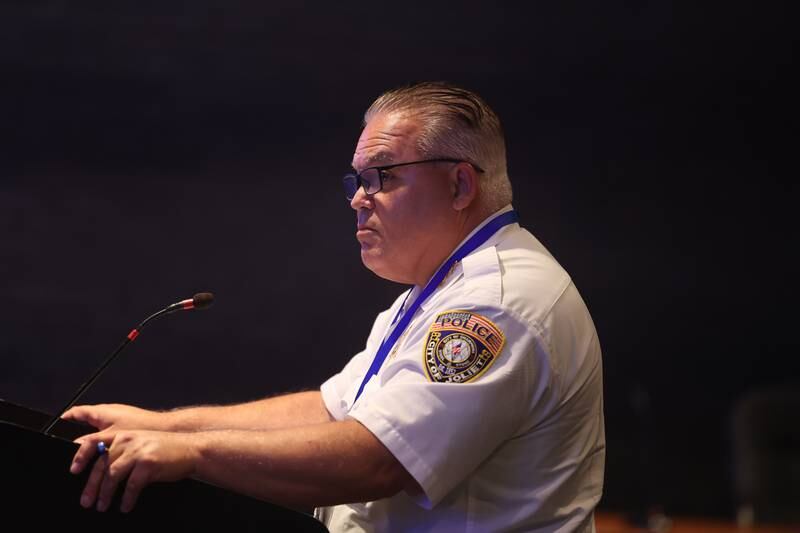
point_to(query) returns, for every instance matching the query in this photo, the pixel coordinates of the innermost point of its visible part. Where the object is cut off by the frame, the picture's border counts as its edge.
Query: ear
(464, 186)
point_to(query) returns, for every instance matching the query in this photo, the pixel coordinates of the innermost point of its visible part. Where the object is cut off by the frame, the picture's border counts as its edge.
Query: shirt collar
(456, 270)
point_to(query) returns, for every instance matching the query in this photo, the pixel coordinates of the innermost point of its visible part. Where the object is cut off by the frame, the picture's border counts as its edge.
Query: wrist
(171, 421)
(185, 420)
(195, 446)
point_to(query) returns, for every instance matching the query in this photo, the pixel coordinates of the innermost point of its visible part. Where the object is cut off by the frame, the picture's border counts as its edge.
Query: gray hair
(456, 123)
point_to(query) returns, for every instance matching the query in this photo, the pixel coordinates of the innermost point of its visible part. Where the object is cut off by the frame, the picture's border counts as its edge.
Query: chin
(373, 262)
(381, 267)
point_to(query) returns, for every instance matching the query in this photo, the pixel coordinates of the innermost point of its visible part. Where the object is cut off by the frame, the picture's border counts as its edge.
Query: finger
(73, 413)
(92, 486)
(138, 480)
(88, 449)
(118, 469)
(81, 413)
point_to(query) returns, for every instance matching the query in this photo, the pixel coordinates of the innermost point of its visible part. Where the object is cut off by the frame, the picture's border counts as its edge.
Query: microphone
(201, 300)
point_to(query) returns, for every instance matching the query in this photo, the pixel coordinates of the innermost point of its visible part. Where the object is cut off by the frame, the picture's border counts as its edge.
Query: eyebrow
(384, 156)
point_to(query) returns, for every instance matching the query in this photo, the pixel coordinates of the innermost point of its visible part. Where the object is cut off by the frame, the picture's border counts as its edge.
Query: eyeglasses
(372, 178)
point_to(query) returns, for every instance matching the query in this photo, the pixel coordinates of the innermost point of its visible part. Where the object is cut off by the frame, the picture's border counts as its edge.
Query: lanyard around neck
(479, 238)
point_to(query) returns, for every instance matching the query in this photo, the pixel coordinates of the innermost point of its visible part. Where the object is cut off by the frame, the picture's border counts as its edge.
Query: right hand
(134, 459)
(117, 416)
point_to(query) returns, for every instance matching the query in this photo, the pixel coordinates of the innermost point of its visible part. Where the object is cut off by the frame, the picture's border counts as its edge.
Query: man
(476, 404)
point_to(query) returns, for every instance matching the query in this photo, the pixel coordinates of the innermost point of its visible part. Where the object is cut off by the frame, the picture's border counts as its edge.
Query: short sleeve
(442, 431)
(336, 389)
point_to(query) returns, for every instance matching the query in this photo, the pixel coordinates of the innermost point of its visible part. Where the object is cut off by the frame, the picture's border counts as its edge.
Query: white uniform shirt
(521, 445)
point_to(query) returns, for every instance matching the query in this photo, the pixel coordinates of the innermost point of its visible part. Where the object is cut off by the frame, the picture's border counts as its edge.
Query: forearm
(321, 464)
(285, 411)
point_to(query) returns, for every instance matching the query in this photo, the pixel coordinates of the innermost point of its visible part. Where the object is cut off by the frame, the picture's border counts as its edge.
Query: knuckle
(148, 460)
(140, 477)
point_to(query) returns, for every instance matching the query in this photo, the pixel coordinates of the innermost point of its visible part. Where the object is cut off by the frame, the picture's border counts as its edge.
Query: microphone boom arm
(199, 301)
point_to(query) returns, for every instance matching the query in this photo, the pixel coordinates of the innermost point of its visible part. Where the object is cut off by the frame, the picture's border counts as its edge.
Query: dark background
(151, 150)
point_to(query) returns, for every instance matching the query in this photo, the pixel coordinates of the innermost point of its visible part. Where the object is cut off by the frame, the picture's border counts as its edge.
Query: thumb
(73, 413)
(85, 413)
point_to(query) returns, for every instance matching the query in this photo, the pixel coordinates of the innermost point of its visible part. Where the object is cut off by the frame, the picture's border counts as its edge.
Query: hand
(117, 416)
(143, 457)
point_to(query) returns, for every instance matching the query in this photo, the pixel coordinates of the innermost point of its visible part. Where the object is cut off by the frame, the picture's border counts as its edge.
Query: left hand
(143, 457)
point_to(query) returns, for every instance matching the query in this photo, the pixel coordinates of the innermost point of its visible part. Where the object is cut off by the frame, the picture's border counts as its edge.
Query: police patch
(460, 346)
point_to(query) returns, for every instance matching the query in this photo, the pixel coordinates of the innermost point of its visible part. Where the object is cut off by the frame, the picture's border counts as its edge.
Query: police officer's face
(404, 228)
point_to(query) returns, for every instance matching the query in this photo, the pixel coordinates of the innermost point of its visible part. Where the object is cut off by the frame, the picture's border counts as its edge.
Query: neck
(463, 225)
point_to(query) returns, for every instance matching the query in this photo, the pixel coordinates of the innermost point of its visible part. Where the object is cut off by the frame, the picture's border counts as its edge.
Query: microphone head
(202, 300)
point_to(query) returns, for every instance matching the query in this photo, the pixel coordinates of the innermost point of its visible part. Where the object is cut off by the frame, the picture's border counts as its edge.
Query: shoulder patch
(460, 346)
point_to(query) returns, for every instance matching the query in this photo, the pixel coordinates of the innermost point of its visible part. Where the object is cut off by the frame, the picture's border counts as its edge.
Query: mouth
(365, 234)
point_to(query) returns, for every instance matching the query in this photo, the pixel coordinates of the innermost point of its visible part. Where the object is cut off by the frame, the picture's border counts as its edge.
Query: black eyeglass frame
(381, 176)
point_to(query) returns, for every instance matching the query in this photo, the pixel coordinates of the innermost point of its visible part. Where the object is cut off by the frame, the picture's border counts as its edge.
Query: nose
(361, 200)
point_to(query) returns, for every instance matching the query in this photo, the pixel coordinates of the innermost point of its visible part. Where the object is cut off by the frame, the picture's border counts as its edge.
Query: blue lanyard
(480, 237)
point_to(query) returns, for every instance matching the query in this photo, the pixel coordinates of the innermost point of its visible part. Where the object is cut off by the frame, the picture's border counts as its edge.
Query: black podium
(37, 492)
